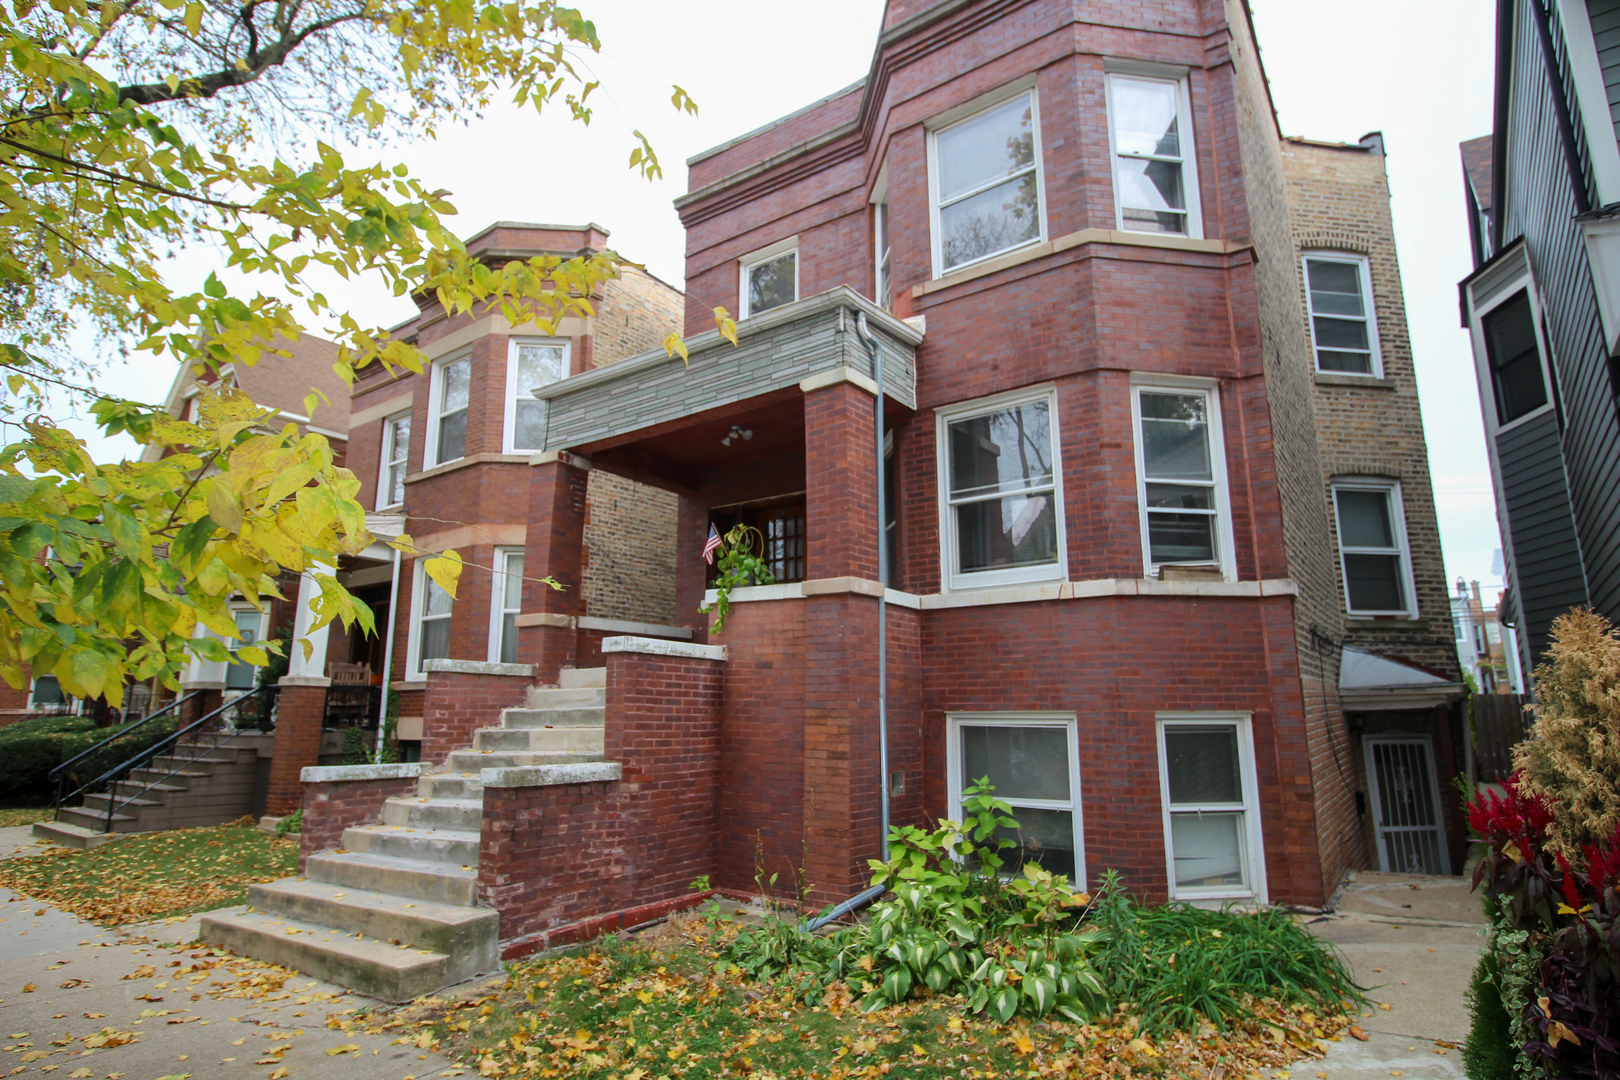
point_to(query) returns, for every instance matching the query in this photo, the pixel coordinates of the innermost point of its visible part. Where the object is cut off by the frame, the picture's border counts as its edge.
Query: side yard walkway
(1413, 941)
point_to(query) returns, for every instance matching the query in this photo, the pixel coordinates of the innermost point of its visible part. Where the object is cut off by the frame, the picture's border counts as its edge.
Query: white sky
(1421, 73)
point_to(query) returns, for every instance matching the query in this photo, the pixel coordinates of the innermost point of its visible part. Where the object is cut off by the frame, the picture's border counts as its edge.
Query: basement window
(1211, 816)
(1032, 760)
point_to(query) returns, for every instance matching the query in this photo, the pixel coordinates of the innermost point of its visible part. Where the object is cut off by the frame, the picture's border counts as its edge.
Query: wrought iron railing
(256, 708)
(62, 772)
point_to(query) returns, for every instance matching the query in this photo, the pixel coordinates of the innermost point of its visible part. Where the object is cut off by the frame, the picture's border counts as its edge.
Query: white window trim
(1487, 376)
(430, 437)
(954, 722)
(956, 117)
(413, 638)
(1254, 852)
(497, 600)
(1225, 536)
(509, 429)
(1184, 128)
(387, 456)
(1397, 510)
(72, 705)
(882, 242)
(765, 254)
(950, 580)
(1364, 268)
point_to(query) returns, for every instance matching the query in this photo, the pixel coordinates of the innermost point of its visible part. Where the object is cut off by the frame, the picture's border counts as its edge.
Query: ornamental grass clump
(1571, 761)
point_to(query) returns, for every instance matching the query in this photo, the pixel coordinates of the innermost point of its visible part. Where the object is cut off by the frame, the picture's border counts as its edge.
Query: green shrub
(1489, 1052)
(31, 748)
(292, 823)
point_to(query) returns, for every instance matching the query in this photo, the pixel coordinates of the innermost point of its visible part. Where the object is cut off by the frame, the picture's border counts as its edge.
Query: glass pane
(773, 283)
(1154, 221)
(240, 676)
(1374, 582)
(509, 638)
(399, 438)
(1150, 185)
(436, 639)
(1340, 333)
(247, 628)
(997, 142)
(1023, 762)
(1201, 761)
(1175, 437)
(396, 484)
(1003, 217)
(47, 691)
(514, 582)
(438, 601)
(529, 425)
(1181, 538)
(452, 437)
(1335, 287)
(1043, 836)
(1145, 117)
(999, 533)
(1208, 850)
(538, 365)
(1510, 343)
(1364, 519)
(1357, 363)
(456, 381)
(1181, 496)
(1010, 450)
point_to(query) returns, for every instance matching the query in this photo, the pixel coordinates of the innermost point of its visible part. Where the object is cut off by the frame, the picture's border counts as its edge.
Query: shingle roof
(1476, 157)
(281, 382)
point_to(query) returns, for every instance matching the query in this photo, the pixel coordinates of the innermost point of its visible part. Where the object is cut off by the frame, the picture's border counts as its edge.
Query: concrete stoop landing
(393, 913)
(207, 782)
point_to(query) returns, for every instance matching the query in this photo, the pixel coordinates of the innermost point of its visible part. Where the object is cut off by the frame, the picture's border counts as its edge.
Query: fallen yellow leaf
(281, 1072)
(346, 1048)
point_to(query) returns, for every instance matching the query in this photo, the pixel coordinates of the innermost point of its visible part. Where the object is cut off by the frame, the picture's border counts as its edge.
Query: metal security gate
(1406, 805)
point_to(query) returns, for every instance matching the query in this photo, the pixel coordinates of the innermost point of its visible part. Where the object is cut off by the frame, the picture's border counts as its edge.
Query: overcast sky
(1421, 73)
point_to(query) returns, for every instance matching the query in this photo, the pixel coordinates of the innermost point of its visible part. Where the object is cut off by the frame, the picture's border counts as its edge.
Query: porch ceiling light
(737, 433)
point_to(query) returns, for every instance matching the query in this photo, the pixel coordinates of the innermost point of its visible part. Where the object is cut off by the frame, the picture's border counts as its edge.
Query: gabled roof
(1368, 681)
(1476, 158)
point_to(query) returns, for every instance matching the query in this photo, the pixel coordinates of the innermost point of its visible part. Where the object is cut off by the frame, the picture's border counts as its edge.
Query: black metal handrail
(60, 773)
(266, 696)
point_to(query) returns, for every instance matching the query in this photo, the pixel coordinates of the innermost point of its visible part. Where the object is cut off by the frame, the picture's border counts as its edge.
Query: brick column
(463, 696)
(338, 796)
(554, 547)
(841, 773)
(299, 712)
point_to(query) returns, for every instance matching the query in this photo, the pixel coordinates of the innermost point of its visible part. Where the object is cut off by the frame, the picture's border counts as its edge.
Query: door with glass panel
(1211, 815)
(1406, 805)
(1033, 763)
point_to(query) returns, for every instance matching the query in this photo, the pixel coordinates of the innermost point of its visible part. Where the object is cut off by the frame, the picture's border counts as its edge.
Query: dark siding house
(1543, 305)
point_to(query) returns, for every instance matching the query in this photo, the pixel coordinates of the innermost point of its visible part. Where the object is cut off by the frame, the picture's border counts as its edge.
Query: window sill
(1365, 382)
(1078, 239)
(464, 462)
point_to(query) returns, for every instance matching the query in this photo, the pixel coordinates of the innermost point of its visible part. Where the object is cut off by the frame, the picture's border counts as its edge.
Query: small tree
(1572, 758)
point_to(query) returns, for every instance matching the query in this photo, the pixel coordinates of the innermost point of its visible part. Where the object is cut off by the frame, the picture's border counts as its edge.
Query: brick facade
(299, 711)
(458, 703)
(330, 806)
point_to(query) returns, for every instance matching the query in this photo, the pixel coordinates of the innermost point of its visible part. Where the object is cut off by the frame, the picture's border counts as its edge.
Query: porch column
(204, 675)
(301, 707)
(841, 796)
(554, 547)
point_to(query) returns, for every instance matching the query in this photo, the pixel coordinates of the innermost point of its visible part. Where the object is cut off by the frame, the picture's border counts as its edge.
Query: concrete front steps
(392, 912)
(208, 782)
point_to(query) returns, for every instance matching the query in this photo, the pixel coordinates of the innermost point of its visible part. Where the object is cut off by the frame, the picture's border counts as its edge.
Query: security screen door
(1406, 805)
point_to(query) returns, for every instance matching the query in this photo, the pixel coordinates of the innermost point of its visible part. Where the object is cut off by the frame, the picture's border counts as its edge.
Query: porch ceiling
(678, 411)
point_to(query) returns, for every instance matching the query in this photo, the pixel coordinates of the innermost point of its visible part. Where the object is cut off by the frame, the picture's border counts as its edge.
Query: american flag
(711, 545)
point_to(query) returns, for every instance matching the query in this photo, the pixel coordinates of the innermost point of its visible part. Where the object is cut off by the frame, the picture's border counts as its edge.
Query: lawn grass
(154, 875)
(669, 1008)
(12, 816)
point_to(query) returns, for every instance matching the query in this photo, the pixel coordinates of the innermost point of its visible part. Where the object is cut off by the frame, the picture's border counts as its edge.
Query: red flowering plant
(1517, 871)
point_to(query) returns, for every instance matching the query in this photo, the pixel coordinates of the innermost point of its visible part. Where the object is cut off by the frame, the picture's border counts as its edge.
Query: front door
(1406, 805)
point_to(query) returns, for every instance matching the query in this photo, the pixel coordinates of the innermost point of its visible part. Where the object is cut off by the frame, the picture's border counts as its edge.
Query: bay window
(396, 452)
(505, 602)
(985, 174)
(450, 395)
(430, 623)
(531, 364)
(1181, 479)
(1155, 171)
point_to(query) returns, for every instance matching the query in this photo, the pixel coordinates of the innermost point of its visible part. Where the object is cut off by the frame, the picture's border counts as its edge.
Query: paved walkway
(74, 996)
(1414, 942)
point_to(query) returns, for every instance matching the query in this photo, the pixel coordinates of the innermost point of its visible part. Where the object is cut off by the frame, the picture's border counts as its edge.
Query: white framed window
(449, 394)
(251, 627)
(1373, 553)
(1001, 505)
(505, 602)
(396, 454)
(45, 692)
(883, 278)
(1155, 168)
(530, 364)
(1208, 791)
(984, 177)
(1181, 478)
(430, 623)
(769, 277)
(1344, 330)
(1510, 333)
(1034, 762)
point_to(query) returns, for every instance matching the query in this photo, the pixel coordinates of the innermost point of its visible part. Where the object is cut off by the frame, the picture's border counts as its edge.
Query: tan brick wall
(629, 550)
(634, 315)
(1339, 199)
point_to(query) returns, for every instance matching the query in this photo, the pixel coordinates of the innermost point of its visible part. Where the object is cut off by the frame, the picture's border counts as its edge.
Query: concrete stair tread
(151, 787)
(101, 800)
(411, 830)
(366, 900)
(394, 972)
(576, 678)
(75, 836)
(385, 862)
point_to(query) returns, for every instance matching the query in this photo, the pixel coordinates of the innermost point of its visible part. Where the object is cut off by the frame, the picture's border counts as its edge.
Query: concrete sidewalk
(1413, 942)
(135, 1003)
